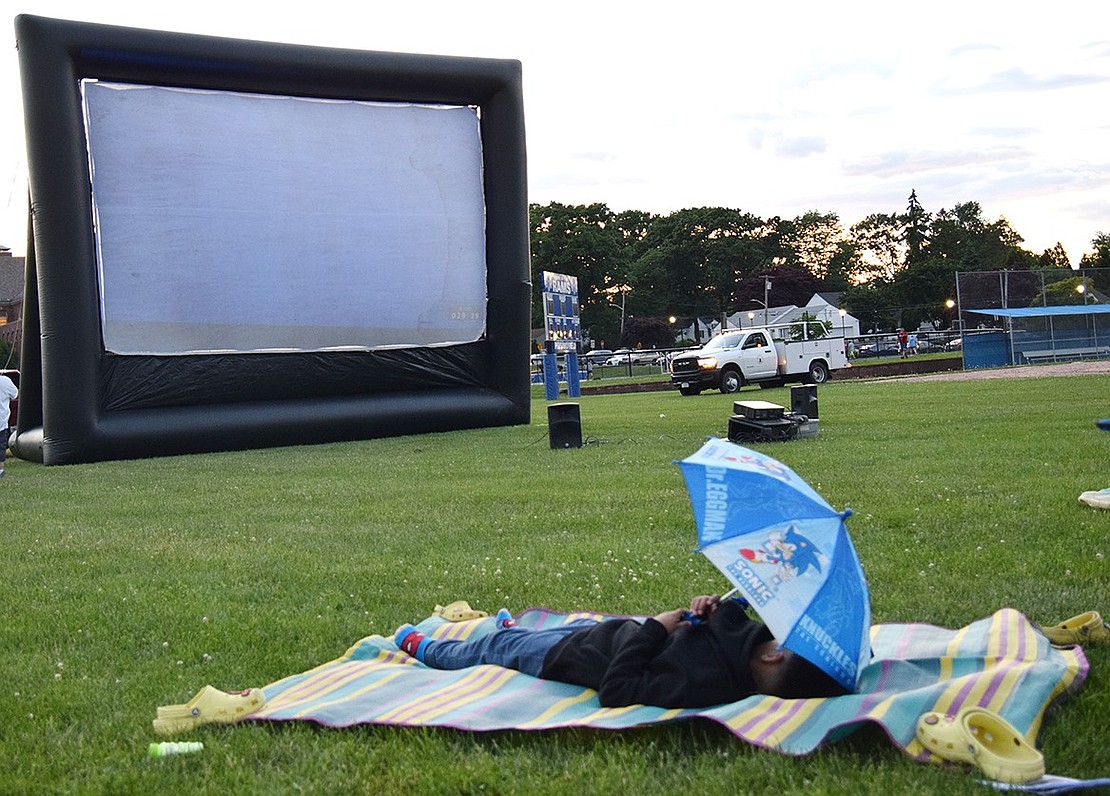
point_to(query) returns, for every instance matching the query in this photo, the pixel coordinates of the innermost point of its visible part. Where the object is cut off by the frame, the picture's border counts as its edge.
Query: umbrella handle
(734, 594)
(689, 616)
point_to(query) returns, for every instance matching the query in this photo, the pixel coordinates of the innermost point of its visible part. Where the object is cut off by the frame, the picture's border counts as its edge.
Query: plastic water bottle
(167, 748)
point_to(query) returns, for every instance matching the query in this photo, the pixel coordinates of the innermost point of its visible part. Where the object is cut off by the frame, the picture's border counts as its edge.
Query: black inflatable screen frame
(82, 404)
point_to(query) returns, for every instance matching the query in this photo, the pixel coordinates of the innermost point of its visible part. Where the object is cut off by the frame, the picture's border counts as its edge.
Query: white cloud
(1019, 80)
(908, 163)
(800, 146)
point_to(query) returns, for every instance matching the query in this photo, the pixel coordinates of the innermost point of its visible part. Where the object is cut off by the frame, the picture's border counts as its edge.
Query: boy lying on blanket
(712, 654)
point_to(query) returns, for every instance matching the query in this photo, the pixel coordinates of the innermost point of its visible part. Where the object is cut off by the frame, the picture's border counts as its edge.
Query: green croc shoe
(1082, 629)
(984, 739)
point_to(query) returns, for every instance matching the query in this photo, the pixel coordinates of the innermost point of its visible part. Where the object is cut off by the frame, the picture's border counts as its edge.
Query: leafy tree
(790, 284)
(892, 268)
(1065, 291)
(920, 290)
(647, 333)
(872, 305)
(1100, 257)
(1055, 257)
(880, 241)
(633, 226)
(916, 224)
(961, 240)
(812, 241)
(584, 241)
(968, 242)
(843, 264)
(694, 260)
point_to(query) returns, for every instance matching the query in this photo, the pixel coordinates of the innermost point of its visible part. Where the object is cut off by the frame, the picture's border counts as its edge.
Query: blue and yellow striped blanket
(1002, 663)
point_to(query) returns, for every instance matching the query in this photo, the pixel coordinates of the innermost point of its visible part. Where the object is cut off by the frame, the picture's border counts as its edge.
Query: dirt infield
(1080, 368)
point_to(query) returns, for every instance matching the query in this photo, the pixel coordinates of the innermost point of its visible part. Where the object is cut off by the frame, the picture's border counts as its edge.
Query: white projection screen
(292, 246)
(240, 244)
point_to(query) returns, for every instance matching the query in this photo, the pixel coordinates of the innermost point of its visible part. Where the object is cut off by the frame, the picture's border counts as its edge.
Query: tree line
(636, 270)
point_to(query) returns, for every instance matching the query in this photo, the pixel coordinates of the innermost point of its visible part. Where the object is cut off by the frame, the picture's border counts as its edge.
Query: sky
(775, 109)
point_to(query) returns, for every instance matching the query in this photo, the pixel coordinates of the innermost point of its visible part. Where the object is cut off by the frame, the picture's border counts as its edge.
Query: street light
(624, 290)
(764, 305)
(751, 318)
(1081, 289)
(950, 304)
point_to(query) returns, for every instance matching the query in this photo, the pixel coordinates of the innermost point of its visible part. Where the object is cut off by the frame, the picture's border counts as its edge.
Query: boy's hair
(800, 679)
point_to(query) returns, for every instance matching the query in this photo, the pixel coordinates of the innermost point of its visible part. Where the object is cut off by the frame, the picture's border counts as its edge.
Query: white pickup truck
(737, 357)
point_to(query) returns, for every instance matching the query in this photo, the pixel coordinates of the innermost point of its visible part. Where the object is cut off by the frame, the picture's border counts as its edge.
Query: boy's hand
(671, 619)
(704, 606)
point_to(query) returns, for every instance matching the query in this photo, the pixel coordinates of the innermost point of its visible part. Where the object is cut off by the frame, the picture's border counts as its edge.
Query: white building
(822, 307)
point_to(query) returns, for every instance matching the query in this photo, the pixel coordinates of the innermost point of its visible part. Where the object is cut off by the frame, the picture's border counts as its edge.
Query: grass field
(132, 584)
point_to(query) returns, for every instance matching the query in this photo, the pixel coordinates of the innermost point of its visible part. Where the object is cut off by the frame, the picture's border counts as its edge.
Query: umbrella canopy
(787, 551)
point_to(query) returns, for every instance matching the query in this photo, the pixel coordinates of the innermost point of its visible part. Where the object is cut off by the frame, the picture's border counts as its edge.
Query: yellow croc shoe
(984, 739)
(209, 706)
(1082, 629)
(459, 611)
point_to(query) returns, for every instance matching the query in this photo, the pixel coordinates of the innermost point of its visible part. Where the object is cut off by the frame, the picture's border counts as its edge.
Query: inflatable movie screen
(240, 244)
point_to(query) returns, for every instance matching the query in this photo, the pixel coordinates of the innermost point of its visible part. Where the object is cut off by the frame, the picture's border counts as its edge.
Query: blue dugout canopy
(1042, 312)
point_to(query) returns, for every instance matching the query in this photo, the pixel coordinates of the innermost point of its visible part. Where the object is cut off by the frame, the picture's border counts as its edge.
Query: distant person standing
(903, 342)
(911, 343)
(8, 393)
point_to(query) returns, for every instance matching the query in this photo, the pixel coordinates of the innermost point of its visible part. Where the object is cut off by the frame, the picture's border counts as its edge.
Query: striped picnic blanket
(1002, 663)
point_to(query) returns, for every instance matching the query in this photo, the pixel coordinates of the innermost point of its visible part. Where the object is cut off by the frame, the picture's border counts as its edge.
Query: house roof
(11, 279)
(832, 298)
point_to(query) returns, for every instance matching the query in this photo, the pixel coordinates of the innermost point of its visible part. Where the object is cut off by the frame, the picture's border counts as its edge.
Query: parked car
(883, 349)
(955, 344)
(619, 357)
(597, 356)
(644, 357)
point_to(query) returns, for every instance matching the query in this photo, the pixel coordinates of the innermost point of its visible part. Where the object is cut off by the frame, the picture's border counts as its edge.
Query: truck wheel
(731, 381)
(818, 372)
(689, 390)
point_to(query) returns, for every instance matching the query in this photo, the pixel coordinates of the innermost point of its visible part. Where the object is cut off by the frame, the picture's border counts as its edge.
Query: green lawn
(132, 584)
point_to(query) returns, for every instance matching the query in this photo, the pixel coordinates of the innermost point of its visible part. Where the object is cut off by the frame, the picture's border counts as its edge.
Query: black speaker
(742, 429)
(564, 425)
(803, 400)
(758, 410)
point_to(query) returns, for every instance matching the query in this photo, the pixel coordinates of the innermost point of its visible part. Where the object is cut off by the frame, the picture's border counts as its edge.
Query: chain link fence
(1028, 317)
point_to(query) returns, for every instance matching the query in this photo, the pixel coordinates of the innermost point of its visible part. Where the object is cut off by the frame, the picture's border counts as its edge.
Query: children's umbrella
(786, 550)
